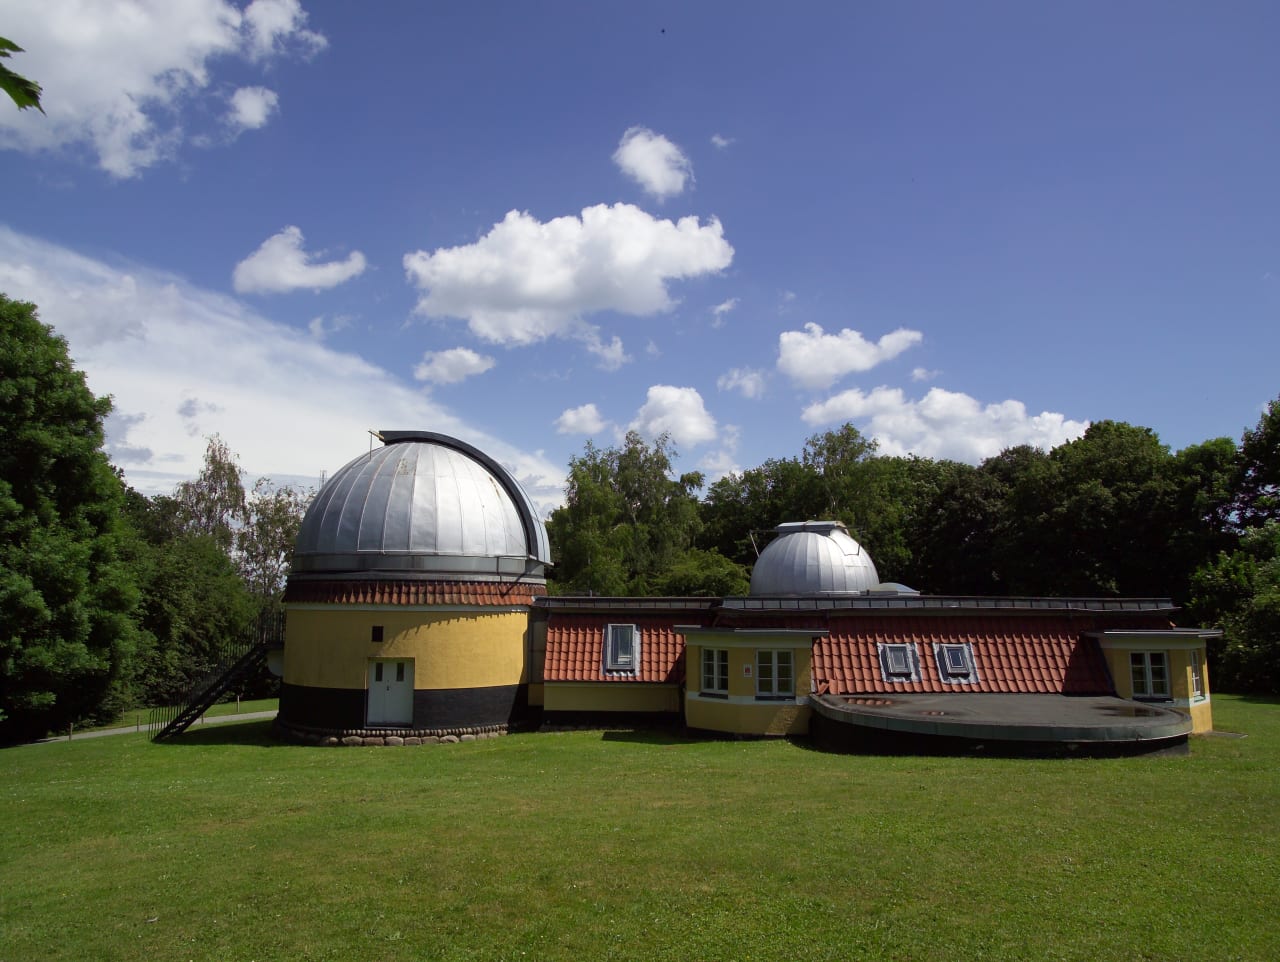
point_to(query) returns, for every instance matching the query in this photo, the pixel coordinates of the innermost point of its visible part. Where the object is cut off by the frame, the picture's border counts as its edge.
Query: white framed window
(955, 663)
(1197, 676)
(899, 662)
(1149, 671)
(715, 670)
(775, 677)
(621, 648)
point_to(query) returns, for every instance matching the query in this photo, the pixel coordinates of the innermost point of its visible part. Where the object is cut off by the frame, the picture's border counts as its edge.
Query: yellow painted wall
(331, 647)
(759, 718)
(610, 696)
(737, 715)
(1118, 665)
(1179, 663)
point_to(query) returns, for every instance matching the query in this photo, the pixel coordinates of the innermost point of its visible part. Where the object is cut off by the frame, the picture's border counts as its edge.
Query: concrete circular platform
(932, 721)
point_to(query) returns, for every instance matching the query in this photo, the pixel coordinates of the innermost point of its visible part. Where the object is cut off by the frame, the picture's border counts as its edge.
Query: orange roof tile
(390, 592)
(575, 649)
(1011, 654)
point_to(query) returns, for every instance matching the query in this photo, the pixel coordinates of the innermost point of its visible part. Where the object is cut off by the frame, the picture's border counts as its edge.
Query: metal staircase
(237, 662)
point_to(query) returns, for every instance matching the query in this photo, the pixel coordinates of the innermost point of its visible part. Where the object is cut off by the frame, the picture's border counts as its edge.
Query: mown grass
(587, 845)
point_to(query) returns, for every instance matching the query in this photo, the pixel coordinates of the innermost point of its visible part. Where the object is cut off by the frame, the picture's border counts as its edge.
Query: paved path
(132, 729)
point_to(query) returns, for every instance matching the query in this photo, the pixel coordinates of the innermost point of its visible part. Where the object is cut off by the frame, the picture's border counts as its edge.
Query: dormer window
(899, 662)
(621, 648)
(955, 663)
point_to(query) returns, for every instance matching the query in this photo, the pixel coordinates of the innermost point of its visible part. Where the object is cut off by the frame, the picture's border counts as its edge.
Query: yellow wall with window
(740, 708)
(330, 646)
(1183, 680)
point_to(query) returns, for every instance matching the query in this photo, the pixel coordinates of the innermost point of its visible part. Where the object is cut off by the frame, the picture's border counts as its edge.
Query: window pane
(399, 671)
(1138, 672)
(764, 668)
(622, 648)
(377, 671)
(1159, 676)
(899, 664)
(785, 684)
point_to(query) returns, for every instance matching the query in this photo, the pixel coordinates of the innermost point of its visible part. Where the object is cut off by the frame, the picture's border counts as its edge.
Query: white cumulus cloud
(290, 407)
(943, 424)
(273, 26)
(281, 264)
(746, 381)
(321, 326)
(720, 142)
(716, 464)
(816, 360)
(653, 162)
(525, 280)
(117, 74)
(451, 366)
(585, 419)
(720, 310)
(677, 411)
(252, 107)
(611, 356)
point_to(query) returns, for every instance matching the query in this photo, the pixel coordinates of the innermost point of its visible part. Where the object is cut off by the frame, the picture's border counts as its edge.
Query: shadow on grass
(647, 736)
(1260, 699)
(254, 734)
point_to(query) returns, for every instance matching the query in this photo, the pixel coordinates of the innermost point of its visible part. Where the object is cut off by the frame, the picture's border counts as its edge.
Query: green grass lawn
(224, 845)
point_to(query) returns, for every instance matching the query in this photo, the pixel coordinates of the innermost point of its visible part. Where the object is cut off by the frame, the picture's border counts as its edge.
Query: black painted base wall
(343, 709)
(834, 736)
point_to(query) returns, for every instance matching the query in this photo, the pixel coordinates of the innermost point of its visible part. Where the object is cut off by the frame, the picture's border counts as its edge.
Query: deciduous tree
(625, 519)
(66, 599)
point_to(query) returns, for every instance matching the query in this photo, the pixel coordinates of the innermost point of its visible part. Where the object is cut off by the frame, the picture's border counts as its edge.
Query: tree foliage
(193, 599)
(1258, 483)
(1239, 591)
(214, 503)
(23, 92)
(67, 637)
(625, 519)
(265, 542)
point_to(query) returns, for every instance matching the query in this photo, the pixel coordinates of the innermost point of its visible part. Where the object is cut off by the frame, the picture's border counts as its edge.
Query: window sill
(721, 695)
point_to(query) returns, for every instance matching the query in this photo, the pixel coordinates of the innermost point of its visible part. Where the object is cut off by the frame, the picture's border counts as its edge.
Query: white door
(390, 691)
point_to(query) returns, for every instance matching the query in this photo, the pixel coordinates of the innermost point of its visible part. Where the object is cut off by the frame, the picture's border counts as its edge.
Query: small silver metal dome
(813, 558)
(424, 503)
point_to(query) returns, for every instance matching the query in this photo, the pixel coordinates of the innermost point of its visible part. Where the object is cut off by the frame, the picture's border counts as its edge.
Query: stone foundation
(394, 737)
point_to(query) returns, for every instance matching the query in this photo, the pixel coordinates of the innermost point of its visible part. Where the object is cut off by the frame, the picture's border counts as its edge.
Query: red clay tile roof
(375, 592)
(575, 649)
(1011, 654)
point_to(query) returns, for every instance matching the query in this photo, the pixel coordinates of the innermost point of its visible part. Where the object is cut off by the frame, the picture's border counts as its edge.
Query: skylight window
(621, 648)
(955, 663)
(899, 662)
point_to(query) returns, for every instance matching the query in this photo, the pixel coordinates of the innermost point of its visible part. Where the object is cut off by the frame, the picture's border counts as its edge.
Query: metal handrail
(234, 659)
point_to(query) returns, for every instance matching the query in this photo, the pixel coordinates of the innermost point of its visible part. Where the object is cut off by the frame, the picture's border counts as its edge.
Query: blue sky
(959, 226)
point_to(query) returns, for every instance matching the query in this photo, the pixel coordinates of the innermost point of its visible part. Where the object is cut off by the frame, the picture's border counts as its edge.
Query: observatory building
(408, 602)
(417, 610)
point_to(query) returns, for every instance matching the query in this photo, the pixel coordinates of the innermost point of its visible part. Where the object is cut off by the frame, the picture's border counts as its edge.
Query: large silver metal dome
(813, 558)
(424, 503)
